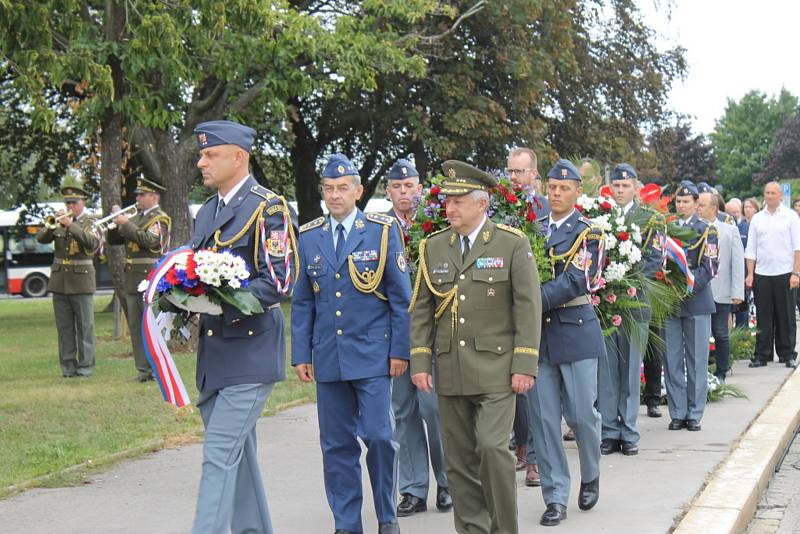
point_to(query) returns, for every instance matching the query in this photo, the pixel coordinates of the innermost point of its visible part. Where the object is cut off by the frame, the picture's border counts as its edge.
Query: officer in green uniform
(72, 281)
(146, 237)
(477, 305)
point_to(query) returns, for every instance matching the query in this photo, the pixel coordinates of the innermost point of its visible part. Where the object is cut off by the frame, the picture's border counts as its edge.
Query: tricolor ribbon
(155, 346)
(676, 253)
(283, 286)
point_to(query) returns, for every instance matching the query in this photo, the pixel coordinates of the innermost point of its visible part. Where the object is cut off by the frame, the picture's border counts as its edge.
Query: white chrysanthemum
(615, 271)
(625, 248)
(143, 286)
(611, 241)
(234, 283)
(620, 222)
(635, 255)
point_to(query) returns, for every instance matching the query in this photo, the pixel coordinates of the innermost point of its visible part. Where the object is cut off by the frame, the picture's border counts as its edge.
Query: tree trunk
(111, 149)
(177, 163)
(303, 157)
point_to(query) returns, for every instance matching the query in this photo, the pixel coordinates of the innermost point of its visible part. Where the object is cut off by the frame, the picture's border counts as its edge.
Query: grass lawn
(49, 423)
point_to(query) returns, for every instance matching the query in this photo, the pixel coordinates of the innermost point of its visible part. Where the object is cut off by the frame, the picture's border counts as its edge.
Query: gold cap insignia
(624, 174)
(451, 173)
(404, 170)
(686, 190)
(564, 172)
(340, 169)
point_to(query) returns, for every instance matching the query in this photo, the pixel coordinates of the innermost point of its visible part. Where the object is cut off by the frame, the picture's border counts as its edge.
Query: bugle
(106, 223)
(51, 221)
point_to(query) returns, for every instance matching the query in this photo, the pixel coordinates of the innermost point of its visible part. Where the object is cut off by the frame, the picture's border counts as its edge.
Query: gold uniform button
(580, 321)
(337, 276)
(461, 277)
(249, 332)
(314, 273)
(438, 280)
(499, 347)
(547, 320)
(462, 343)
(210, 333)
(338, 294)
(461, 320)
(338, 313)
(462, 297)
(339, 332)
(491, 279)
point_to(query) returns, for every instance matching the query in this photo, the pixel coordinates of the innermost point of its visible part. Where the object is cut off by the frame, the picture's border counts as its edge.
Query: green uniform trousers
(75, 325)
(135, 312)
(480, 468)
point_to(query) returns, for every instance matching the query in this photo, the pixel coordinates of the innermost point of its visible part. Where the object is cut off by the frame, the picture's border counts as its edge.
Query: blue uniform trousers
(231, 496)
(618, 378)
(411, 407)
(686, 365)
(347, 410)
(569, 389)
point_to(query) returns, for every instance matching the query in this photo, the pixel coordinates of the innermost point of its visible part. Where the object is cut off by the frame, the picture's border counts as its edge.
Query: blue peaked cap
(623, 171)
(215, 133)
(401, 170)
(338, 166)
(564, 169)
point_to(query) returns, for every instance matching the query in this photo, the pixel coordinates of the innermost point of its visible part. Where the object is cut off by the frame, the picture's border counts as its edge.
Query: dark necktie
(553, 229)
(465, 251)
(339, 240)
(220, 206)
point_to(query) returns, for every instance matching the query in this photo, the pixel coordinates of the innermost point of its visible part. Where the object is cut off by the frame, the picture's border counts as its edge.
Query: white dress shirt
(772, 241)
(473, 236)
(347, 225)
(627, 207)
(558, 223)
(232, 193)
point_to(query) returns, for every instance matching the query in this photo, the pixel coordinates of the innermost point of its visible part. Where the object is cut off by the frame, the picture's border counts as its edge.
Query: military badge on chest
(276, 245)
(365, 255)
(713, 251)
(441, 268)
(489, 263)
(582, 260)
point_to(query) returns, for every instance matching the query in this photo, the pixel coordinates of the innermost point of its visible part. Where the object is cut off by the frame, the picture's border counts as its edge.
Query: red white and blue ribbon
(155, 346)
(676, 253)
(282, 286)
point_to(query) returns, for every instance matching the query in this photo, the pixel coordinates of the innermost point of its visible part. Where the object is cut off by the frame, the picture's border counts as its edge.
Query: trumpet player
(72, 282)
(146, 237)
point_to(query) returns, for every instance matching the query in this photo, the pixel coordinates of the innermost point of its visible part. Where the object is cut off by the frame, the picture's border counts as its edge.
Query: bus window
(26, 251)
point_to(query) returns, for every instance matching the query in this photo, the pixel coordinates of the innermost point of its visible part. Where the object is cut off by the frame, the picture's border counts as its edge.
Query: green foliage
(745, 135)
(674, 154)
(743, 343)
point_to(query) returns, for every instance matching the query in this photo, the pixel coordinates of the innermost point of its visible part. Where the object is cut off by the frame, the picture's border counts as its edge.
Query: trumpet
(106, 223)
(51, 221)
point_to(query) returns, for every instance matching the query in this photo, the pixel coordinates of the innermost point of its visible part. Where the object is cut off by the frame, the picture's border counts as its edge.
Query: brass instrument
(51, 221)
(106, 223)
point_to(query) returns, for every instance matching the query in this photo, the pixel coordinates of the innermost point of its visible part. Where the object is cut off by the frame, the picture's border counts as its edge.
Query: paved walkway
(156, 493)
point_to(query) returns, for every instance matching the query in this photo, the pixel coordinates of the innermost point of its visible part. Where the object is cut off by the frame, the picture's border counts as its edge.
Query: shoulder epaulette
(437, 232)
(263, 192)
(312, 224)
(278, 207)
(585, 221)
(515, 231)
(380, 218)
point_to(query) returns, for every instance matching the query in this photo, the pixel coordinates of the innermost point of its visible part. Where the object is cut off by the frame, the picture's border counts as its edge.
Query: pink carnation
(631, 292)
(595, 300)
(611, 298)
(617, 320)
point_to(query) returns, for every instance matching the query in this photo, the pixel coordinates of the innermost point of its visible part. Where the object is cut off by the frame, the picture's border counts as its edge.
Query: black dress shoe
(343, 531)
(629, 448)
(569, 435)
(757, 363)
(609, 446)
(677, 424)
(389, 528)
(653, 411)
(791, 364)
(553, 515)
(410, 505)
(443, 499)
(693, 425)
(589, 493)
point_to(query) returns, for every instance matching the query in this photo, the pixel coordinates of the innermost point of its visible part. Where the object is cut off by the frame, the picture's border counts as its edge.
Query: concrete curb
(727, 503)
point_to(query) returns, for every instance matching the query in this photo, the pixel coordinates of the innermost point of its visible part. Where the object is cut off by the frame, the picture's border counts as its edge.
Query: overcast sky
(732, 46)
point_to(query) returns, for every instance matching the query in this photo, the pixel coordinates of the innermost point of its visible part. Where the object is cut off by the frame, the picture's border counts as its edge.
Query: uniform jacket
(73, 271)
(493, 331)
(146, 238)
(729, 282)
(236, 348)
(571, 333)
(345, 332)
(703, 257)
(542, 207)
(653, 229)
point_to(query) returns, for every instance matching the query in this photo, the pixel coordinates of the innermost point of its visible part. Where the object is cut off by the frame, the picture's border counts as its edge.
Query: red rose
(502, 189)
(435, 190)
(427, 227)
(197, 290)
(511, 197)
(623, 235)
(531, 216)
(605, 205)
(659, 275)
(580, 210)
(172, 278)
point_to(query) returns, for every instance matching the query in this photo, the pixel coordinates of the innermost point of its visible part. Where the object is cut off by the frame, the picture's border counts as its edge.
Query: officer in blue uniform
(689, 331)
(572, 342)
(619, 371)
(414, 410)
(350, 333)
(239, 357)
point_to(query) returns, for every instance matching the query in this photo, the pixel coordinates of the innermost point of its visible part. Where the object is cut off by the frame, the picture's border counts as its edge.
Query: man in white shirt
(773, 271)
(728, 286)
